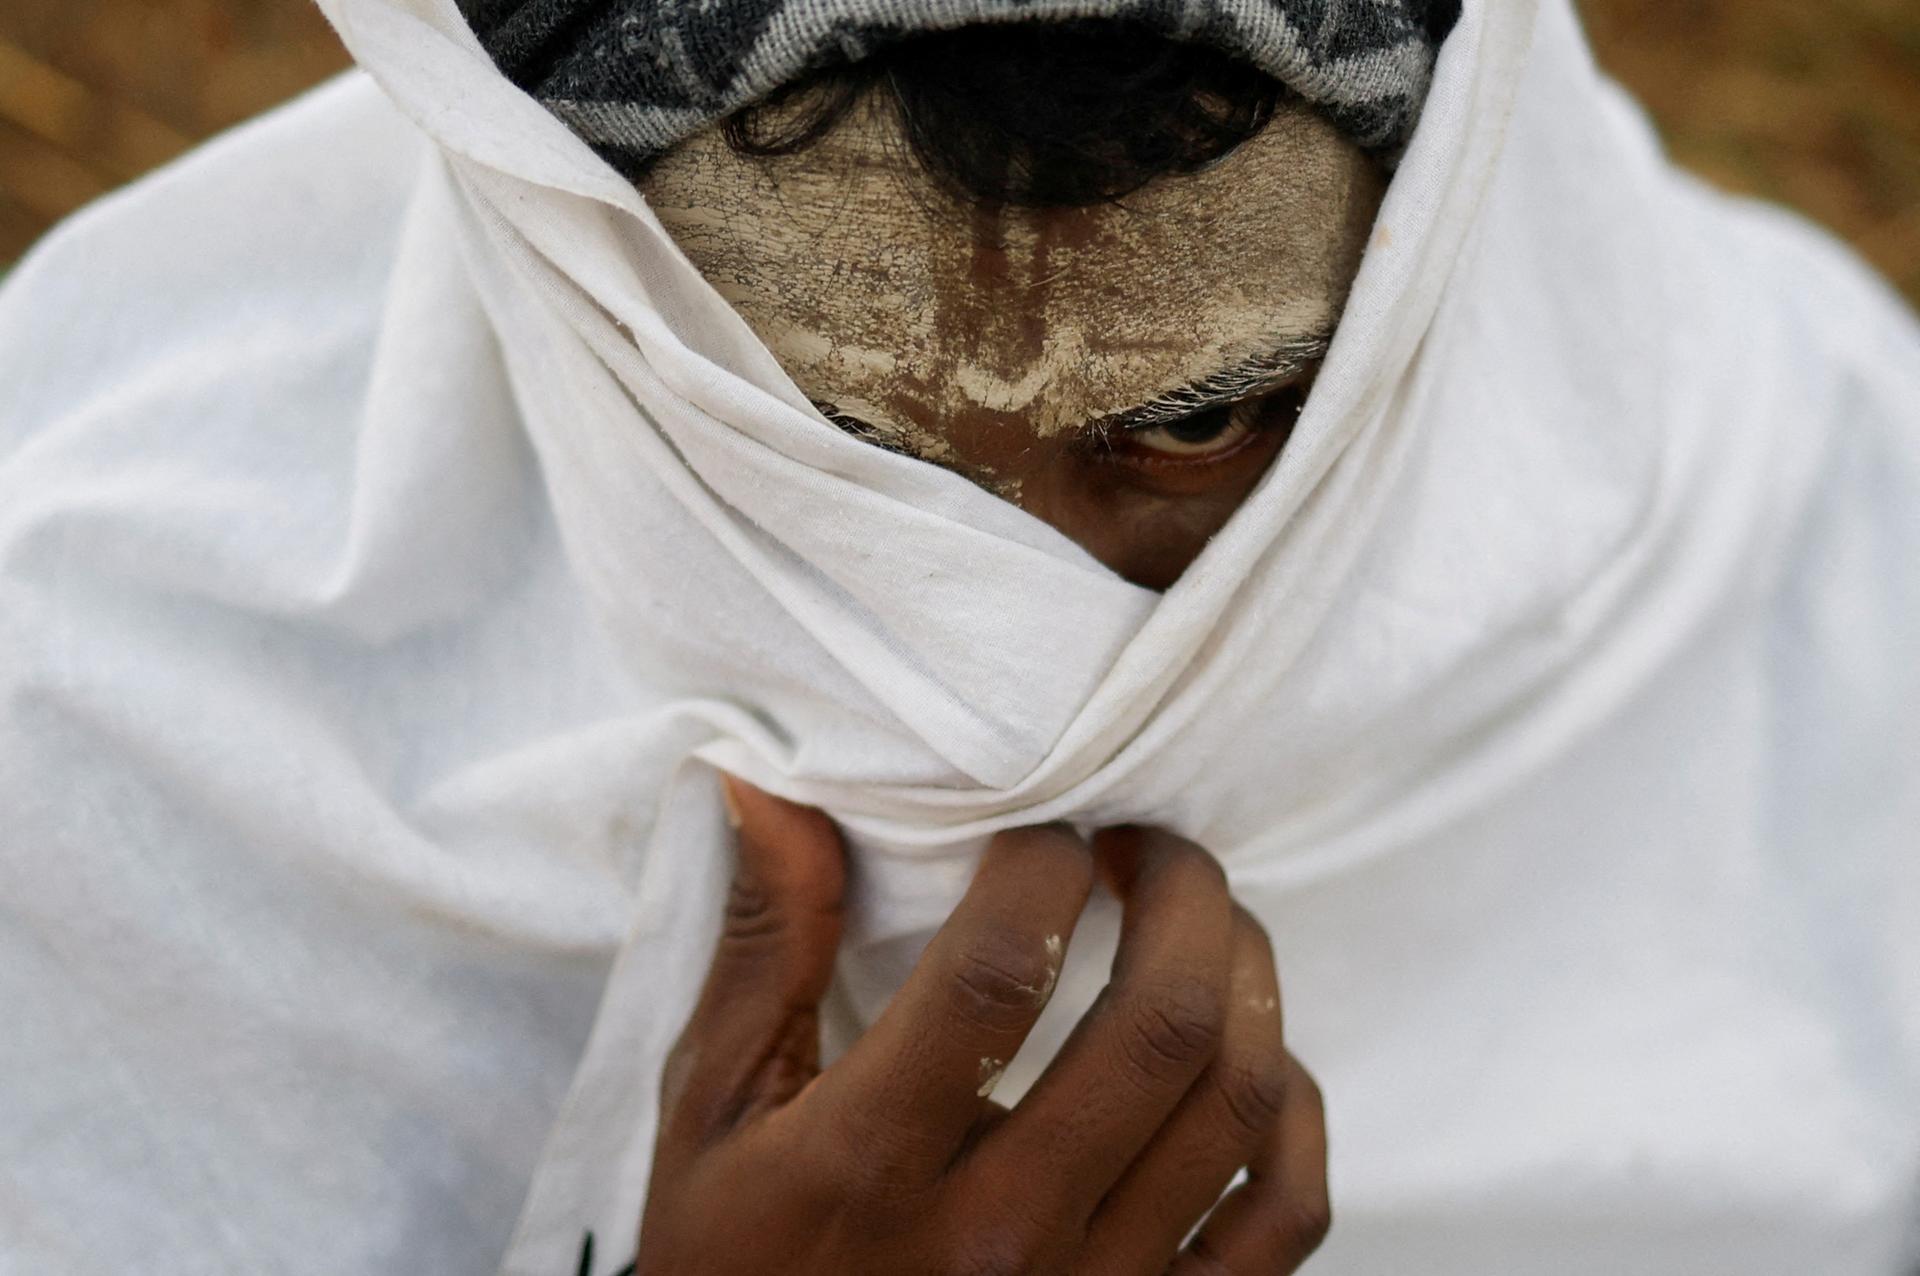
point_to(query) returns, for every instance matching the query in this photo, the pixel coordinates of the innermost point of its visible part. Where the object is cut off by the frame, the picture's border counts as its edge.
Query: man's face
(1125, 372)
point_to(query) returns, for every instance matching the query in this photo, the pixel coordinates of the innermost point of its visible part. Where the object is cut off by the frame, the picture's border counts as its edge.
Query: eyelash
(1276, 409)
(1255, 415)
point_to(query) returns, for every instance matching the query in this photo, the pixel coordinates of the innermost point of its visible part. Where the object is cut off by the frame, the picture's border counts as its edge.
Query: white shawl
(392, 522)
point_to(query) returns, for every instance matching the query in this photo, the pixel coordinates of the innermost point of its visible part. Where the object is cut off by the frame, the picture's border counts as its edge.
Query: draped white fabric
(393, 525)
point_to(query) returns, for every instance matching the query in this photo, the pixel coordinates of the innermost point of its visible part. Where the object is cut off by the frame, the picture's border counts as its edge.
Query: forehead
(885, 295)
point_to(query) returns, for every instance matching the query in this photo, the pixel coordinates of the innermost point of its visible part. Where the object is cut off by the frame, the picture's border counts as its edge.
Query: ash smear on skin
(1056, 951)
(1042, 992)
(991, 1070)
(987, 340)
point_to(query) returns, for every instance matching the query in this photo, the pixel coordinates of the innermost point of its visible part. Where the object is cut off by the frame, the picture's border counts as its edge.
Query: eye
(1214, 433)
(1198, 435)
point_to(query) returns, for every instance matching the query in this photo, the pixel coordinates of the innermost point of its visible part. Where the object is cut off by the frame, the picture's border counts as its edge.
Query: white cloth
(392, 523)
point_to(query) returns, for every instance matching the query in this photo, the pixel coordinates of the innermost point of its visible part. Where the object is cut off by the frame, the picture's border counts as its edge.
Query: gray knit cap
(636, 76)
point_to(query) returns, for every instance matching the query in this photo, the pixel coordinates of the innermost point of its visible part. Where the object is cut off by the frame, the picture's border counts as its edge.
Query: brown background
(1816, 105)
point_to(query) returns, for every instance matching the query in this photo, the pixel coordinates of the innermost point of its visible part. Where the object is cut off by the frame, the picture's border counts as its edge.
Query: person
(1024, 445)
(1005, 178)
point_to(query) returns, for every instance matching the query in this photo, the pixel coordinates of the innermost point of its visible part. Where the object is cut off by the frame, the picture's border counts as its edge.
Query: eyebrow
(1245, 380)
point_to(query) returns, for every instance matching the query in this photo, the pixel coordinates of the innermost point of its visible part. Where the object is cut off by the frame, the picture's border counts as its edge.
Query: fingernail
(730, 801)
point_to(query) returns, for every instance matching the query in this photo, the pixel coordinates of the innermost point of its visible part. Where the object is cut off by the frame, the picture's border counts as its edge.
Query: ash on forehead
(972, 337)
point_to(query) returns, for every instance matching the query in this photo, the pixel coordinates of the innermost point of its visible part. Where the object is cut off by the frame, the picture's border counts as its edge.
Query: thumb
(754, 1038)
(785, 907)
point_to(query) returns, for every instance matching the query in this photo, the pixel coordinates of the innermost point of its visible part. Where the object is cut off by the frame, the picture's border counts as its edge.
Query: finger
(753, 1040)
(910, 1089)
(1273, 1222)
(1220, 1125)
(1148, 1037)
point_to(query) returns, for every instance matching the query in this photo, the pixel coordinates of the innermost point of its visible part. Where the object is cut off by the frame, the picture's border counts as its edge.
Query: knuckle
(1253, 1094)
(1301, 1223)
(990, 1257)
(1191, 866)
(1199, 1259)
(1308, 1092)
(1000, 980)
(753, 914)
(694, 1111)
(1253, 940)
(1064, 850)
(874, 1162)
(1068, 861)
(817, 1172)
(1001, 1248)
(677, 1069)
(1174, 1029)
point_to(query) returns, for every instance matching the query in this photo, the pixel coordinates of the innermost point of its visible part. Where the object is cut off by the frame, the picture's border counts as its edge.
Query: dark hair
(1036, 115)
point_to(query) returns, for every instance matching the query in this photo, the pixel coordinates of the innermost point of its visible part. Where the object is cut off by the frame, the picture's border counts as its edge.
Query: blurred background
(1817, 106)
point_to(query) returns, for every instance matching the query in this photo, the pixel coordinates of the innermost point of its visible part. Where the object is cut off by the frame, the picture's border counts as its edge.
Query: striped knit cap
(632, 77)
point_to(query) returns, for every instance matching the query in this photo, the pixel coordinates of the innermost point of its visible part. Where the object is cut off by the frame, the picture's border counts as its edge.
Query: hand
(894, 1161)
